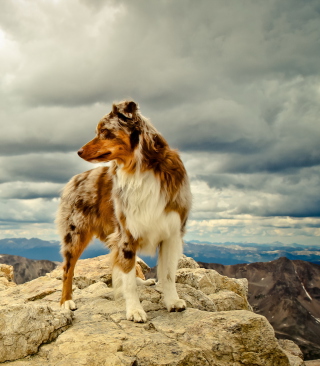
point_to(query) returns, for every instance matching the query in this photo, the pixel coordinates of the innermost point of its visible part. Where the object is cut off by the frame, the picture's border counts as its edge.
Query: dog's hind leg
(169, 254)
(149, 282)
(141, 281)
(73, 246)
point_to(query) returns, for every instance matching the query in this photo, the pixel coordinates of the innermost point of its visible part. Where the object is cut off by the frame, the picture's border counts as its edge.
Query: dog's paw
(150, 282)
(141, 282)
(137, 315)
(69, 305)
(177, 305)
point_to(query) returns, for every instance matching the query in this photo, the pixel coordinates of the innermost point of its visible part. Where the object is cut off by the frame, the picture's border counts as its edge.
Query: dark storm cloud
(234, 85)
(48, 129)
(305, 206)
(202, 80)
(162, 59)
(38, 146)
(275, 161)
(55, 168)
(29, 190)
(295, 194)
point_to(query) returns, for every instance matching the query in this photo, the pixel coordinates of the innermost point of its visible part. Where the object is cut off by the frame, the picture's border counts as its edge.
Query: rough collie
(139, 203)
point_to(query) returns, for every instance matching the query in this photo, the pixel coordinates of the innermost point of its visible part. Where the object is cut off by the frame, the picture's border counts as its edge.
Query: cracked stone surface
(24, 327)
(218, 328)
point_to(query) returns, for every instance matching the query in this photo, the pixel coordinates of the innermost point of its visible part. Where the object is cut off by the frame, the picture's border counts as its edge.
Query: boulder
(187, 262)
(292, 351)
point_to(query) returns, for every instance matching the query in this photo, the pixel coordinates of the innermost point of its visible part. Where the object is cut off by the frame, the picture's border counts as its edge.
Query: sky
(234, 85)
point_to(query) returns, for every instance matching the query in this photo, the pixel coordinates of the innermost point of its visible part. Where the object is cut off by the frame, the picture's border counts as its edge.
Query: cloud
(235, 88)
(256, 230)
(48, 129)
(140, 49)
(28, 211)
(55, 168)
(28, 190)
(263, 195)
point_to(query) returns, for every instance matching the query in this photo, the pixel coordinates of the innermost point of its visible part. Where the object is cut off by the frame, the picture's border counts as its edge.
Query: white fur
(169, 254)
(143, 205)
(128, 283)
(69, 305)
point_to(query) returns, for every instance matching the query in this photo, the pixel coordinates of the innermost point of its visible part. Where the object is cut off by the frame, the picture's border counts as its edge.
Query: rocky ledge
(218, 328)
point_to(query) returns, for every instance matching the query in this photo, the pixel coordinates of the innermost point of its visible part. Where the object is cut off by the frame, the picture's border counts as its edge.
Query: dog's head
(117, 135)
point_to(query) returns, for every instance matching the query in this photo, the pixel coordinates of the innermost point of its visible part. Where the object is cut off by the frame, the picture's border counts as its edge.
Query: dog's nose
(80, 152)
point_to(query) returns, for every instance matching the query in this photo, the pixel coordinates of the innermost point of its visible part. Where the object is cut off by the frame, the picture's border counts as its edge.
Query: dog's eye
(107, 134)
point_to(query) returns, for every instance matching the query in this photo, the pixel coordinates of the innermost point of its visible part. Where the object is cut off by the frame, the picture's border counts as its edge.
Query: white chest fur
(143, 203)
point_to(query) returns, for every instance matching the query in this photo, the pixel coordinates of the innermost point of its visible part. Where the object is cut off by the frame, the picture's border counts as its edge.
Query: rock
(31, 291)
(6, 271)
(225, 338)
(101, 335)
(292, 351)
(187, 262)
(290, 347)
(195, 298)
(143, 265)
(229, 300)
(23, 328)
(6, 276)
(226, 293)
(89, 271)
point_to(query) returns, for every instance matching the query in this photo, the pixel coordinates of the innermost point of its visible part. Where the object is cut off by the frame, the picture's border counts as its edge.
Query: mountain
(223, 253)
(35, 248)
(27, 269)
(287, 293)
(235, 253)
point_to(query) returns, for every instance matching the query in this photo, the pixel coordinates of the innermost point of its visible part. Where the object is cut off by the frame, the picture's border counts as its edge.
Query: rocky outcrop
(287, 293)
(24, 327)
(218, 328)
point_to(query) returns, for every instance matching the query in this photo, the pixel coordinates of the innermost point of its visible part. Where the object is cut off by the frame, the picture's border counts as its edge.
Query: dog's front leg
(134, 309)
(128, 284)
(169, 253)
(124, 278)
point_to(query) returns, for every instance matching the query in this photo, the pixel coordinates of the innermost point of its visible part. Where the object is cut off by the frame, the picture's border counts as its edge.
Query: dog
(140, 202)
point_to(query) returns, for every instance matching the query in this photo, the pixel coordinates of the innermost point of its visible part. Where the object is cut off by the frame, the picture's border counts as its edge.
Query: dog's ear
(128, 109)
(114, 109)
(131, 108)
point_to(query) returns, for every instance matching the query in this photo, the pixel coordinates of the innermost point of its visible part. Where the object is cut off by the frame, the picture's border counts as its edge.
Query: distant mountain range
(35, 248)
(287, 293)
(234, 253)
(222, 253)
(25, 269)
